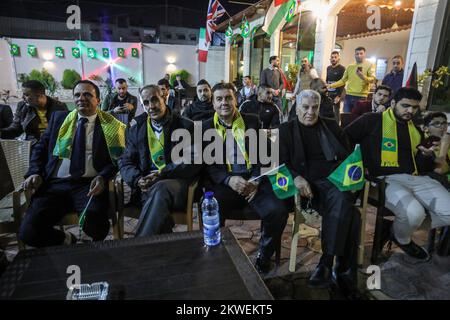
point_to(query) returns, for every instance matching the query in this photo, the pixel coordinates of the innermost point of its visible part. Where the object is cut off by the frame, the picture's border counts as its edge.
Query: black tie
(78, 157)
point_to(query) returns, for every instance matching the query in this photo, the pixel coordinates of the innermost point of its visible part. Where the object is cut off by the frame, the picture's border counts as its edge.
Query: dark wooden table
(171, 266)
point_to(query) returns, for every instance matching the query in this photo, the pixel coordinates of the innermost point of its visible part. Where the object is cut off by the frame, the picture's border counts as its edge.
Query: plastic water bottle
(211, 221)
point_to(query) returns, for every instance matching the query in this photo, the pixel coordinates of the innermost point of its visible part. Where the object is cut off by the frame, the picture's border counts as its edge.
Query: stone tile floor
(401, 276)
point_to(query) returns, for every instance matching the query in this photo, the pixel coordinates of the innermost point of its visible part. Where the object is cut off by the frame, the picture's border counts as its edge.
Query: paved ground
(401, 276)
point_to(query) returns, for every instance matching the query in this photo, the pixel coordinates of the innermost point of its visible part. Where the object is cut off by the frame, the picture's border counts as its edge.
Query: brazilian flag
(283, 183)
(349, 176)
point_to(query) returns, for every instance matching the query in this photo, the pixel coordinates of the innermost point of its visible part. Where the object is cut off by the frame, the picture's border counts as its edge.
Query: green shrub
(44, 77)
(70, 77)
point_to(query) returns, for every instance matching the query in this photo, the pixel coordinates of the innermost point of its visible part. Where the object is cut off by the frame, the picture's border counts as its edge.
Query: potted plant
(70, 77)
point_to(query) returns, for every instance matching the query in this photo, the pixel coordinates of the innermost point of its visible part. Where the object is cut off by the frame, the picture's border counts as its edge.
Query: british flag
(215, 11)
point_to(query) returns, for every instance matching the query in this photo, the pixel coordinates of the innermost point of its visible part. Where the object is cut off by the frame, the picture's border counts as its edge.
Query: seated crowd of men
(77, 152)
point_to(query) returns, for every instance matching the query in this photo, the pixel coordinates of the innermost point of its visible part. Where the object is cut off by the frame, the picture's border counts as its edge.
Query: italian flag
(277, 14)
(202, 46)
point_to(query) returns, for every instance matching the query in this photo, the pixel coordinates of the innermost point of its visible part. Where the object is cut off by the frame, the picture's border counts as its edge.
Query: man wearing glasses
(394, 149)
(147, 165)
(436, 129)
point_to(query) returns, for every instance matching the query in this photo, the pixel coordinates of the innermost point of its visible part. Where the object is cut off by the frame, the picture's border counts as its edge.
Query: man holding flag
(236, 180)
(312, 148)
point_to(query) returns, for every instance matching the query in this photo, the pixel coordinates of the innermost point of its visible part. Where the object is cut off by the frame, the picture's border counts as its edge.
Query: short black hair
(336, 52)
(121, 81)
(360, 49)
(203, 82)
(263, 87)
(433, 115)
(272, 58)
(97, 90)
(224, 86)
(407, 93)
(384, 87)
(250, 77)
(35, 86)
(164, 82)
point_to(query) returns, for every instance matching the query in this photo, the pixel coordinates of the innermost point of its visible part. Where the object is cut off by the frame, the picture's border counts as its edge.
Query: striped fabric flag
(202, 46)
(215, 11)
(278, 13)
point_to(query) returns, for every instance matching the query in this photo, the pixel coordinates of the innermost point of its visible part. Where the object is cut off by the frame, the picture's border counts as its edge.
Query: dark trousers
(340, 222)
(55, 199)
(158, 202)
(271, 210)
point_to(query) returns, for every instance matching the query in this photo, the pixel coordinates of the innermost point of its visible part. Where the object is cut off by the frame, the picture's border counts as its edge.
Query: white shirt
(63, 166)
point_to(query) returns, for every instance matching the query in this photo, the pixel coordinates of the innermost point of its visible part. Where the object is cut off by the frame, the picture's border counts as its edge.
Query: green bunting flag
(229, 31)
(105, 52)
(76, 53)
(282, 183)
(32, 50)
(121, 52)
(291, 11)
(252, 34)
(91, 53)
(59, 52)
(245, 28)
(15, 50)
(135, 52)
(349, 176)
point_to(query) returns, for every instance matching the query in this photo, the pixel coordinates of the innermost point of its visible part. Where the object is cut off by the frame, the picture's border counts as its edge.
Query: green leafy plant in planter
(106, 85)
(292, 73)
(184, 76)
(70, 77)
(44, 77)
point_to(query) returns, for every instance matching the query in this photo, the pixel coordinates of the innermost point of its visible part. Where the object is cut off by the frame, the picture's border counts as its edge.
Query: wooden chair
(299, 219)
(132, 211)
(14, 205)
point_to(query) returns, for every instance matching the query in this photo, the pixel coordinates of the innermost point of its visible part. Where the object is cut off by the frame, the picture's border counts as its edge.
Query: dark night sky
(152, 13)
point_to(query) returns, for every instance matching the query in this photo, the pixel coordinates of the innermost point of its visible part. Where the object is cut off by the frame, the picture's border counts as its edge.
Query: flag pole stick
(267, 173)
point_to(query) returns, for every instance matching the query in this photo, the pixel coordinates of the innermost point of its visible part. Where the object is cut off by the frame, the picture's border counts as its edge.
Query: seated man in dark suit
(6, 116)
(263, 107)
(230, 178)
(33, 113)
(201, 108)
(377, 104)
(312, 147)
(72, 162)
(147, 164)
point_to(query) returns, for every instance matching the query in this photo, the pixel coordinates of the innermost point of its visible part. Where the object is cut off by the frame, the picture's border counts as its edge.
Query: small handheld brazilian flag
(349, 176)
(282, 183)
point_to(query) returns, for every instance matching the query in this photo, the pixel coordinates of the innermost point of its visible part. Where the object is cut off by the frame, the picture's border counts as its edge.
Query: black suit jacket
(43, 162)
(6, 116)
(136, 160)
(218, 173)
(292, 152)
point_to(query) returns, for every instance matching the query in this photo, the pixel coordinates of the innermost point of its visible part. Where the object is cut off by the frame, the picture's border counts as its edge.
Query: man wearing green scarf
(230, 177)
(392, 148)
(147, 165)
(71, 163)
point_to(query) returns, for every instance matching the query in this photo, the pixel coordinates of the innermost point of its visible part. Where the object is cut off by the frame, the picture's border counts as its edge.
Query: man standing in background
(335, 72)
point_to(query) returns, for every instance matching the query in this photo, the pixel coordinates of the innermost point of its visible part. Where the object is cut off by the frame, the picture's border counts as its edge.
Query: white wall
(7, 78)
(215, 67)
(383, 46)
(160, 59)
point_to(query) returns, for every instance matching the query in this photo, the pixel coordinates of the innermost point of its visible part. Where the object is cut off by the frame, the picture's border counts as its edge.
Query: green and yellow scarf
(389, 142)
(113, 130)
(238, 129)
(156, 146)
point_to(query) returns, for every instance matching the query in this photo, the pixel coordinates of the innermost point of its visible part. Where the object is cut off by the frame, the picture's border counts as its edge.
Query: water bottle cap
(209, 195)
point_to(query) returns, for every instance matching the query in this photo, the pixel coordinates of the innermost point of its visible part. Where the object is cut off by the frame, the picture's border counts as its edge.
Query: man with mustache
(392, 148)
(147, 165)
(231, 179)
(201, 109)
(123, 104)
(72, 162)
(263, 107)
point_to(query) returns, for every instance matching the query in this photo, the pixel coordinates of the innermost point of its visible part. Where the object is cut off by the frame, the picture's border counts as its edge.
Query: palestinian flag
(412, 80)
(202, 46)
(349, 175)
(279, 12)
(282, 183)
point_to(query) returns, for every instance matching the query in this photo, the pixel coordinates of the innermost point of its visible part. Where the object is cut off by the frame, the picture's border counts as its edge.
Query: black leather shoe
(347, 283)
(262, 265)
(413, 250)
(320, 278)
